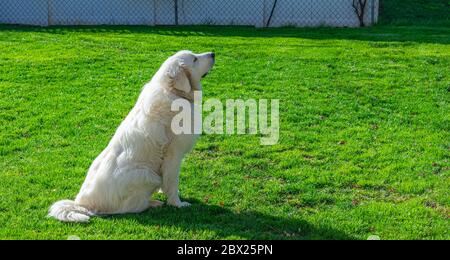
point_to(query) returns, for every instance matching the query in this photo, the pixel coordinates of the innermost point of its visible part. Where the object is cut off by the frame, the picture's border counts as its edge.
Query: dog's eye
(195, 59)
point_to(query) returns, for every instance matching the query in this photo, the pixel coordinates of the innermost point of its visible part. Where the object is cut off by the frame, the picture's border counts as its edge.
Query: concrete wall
(24, 12)
(92, 12)
(313, 13)
(301, 13)
(219, 12)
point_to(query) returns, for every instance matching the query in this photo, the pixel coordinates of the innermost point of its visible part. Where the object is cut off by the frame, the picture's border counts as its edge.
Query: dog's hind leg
(138, 185)
(139, 203)
(136, 204)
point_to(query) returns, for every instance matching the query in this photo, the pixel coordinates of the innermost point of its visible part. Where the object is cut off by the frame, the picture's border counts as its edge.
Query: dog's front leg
(170, 173)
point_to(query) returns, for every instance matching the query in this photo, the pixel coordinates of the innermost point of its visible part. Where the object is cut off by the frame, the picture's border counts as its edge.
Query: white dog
(144, 155)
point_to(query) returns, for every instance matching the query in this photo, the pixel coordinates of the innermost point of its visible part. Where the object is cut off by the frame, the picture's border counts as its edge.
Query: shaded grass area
(364, 144)
(414, 12)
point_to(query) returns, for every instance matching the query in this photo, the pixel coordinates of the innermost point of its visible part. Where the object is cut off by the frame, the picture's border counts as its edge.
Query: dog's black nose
(213, 55)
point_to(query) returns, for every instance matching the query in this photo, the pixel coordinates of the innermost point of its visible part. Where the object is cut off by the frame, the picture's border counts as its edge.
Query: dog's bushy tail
(69, 211)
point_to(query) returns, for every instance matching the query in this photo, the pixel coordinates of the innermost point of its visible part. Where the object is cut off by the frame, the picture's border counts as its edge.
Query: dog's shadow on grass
(225, 223)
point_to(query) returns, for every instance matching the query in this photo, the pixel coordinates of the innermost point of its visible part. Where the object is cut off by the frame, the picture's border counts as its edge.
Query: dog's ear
(179, 77)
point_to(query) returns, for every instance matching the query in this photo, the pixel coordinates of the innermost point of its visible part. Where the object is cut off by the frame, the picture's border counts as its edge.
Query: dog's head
(185, 69)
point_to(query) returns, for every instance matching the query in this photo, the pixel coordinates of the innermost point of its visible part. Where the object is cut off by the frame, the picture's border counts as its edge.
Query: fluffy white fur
(144, 155)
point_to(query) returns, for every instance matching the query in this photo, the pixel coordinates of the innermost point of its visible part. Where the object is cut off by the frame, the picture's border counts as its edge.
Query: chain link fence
(259, 13)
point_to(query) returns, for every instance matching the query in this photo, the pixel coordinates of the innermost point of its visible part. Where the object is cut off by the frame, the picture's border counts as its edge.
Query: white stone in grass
(73, 238)
(373, 237)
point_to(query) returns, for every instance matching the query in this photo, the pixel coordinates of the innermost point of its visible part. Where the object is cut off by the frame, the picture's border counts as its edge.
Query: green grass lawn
(364, 144)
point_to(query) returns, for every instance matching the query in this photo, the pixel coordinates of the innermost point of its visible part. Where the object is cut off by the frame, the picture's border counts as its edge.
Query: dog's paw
(184, 204)
(179, 204)
(156, 203)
